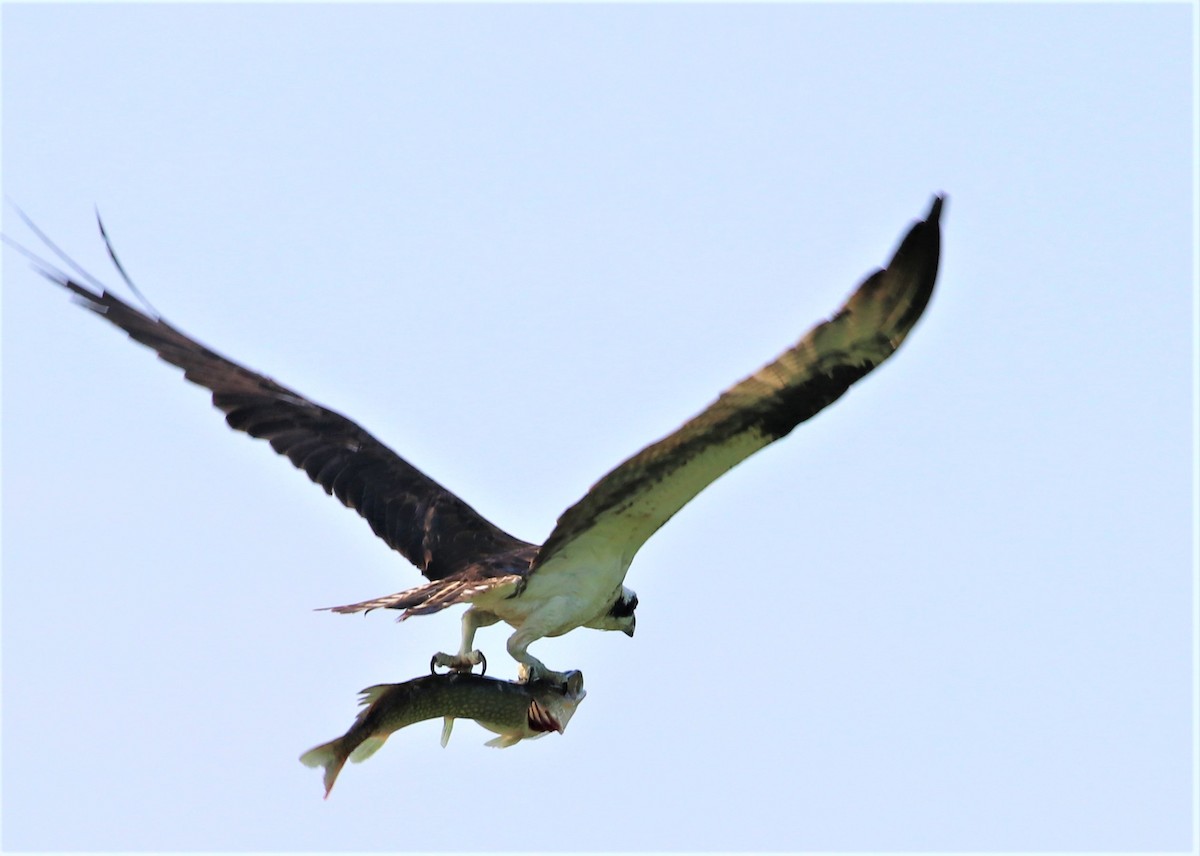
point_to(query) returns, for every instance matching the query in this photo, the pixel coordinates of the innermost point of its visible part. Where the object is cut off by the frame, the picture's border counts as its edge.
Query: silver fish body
(514, 711)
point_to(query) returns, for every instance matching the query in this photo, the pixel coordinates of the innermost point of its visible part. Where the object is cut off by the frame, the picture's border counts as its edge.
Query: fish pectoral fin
(447, 727)
(504, 741)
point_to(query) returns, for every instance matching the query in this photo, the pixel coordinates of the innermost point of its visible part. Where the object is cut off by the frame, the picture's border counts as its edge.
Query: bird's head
(620, 615)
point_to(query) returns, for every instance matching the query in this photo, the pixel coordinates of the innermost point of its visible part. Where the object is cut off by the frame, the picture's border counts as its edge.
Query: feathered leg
(467, 656)
(531, 668)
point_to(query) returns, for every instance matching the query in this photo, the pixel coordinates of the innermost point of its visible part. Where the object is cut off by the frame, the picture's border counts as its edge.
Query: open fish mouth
(541, 719)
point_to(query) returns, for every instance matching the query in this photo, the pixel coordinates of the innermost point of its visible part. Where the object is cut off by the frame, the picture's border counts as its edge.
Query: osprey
(576, 578)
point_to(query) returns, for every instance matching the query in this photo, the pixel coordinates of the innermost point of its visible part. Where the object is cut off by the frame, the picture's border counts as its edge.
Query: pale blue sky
(519, 243)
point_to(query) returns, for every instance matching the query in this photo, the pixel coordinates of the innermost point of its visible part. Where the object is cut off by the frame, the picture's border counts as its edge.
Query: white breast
(577, 585)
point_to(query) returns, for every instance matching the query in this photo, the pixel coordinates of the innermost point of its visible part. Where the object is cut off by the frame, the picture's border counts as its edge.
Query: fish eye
(575, 683)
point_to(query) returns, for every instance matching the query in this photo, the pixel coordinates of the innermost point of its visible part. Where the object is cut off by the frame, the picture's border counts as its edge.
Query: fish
(514, 710)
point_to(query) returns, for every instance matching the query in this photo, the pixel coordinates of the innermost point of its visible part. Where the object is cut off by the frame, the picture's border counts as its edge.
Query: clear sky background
(954, 611)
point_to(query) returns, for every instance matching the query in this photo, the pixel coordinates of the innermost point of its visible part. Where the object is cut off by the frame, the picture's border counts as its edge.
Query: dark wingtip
(917, 257)
(935, 210)
(112, 254)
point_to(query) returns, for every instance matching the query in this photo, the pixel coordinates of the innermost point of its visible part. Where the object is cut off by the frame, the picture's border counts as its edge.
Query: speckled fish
(515, 711)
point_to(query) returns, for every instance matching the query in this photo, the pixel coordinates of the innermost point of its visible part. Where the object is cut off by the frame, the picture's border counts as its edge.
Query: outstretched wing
(413, 514)
(628, 505)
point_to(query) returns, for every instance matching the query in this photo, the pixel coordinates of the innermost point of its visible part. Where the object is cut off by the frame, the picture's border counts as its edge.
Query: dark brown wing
(413, 514)
(629, 504)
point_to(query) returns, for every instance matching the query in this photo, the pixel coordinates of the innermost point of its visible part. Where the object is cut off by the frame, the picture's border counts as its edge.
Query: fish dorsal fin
(371, 695)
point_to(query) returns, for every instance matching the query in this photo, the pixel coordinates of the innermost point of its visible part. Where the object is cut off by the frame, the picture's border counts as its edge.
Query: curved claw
(569, 682)
(458, 664)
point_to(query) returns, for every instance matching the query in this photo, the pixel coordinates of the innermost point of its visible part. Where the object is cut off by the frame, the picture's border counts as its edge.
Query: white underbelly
(572, 589)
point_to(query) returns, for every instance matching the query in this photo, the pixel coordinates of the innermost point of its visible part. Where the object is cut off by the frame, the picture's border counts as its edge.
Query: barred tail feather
(430, 597)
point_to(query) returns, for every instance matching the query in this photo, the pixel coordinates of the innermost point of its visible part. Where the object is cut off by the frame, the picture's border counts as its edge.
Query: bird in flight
(576, 578)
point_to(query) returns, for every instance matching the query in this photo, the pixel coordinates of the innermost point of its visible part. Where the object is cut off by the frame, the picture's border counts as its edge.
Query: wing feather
(413, 514)
(630, 503)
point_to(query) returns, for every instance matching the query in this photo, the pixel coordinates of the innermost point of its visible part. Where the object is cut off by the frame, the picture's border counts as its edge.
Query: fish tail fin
(332, 756)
